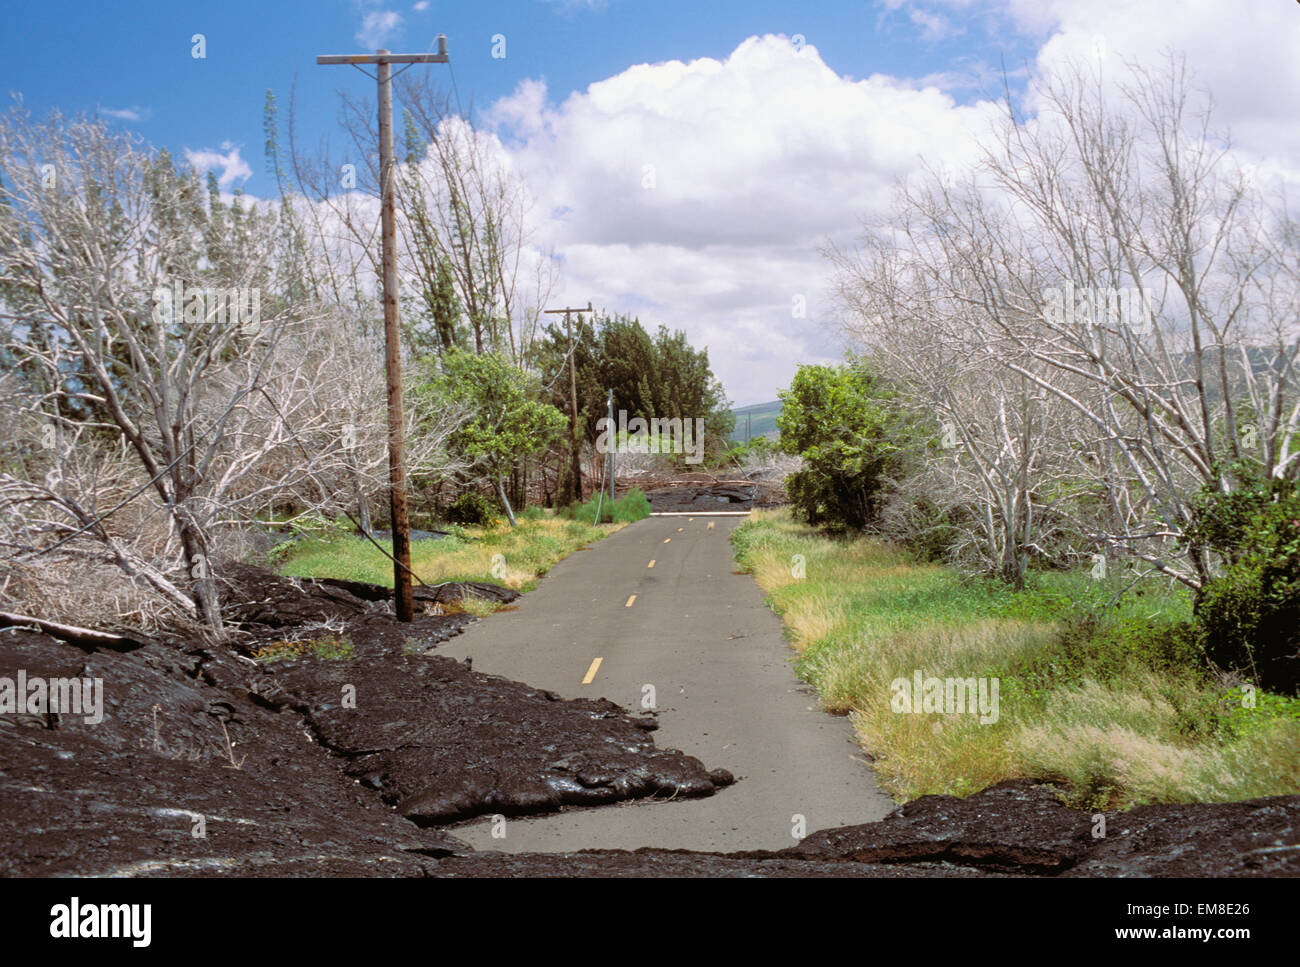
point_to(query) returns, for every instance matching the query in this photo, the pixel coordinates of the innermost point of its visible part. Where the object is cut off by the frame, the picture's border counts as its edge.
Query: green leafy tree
(837, 419)
(551, 359)
(688, 388)
(508, 424)
(661, 376)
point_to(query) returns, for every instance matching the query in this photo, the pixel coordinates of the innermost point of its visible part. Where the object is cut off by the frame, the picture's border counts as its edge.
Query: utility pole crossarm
(551, 312)
(382, 59)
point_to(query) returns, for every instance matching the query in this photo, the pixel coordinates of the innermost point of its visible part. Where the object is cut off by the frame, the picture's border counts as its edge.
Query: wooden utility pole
(403, 600)
(575, 463)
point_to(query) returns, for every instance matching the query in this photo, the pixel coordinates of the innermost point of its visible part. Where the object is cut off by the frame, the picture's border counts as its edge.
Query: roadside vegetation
(1104, 693)
(226, 371)
(1062, 457)
(495, 553)
(632, 506)
(327, 648)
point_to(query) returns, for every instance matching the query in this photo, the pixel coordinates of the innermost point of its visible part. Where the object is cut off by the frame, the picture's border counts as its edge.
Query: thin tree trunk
(204, 587)
(501, 492)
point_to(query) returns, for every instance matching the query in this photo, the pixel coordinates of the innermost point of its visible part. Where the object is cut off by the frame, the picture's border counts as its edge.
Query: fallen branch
(72, 633)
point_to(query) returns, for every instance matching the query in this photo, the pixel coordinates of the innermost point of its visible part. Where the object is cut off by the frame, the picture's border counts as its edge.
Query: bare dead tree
(131, 326)
(464, 219)
(1114, 256)
(996, 457)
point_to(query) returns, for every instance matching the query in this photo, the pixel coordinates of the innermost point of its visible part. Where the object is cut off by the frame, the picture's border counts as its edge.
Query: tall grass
(632, 506)
(1103, 694)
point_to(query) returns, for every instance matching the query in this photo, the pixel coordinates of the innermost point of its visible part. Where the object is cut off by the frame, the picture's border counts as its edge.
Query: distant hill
(759, 419)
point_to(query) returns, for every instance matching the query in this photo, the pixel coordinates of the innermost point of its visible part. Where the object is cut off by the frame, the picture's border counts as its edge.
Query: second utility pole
(403, 598)
(575, 463)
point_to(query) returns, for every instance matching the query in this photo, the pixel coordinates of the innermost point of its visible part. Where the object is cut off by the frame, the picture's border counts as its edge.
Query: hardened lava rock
(444, 743)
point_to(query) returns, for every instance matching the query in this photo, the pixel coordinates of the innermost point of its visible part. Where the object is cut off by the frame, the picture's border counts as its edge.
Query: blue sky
(137, 56)
(772, 128)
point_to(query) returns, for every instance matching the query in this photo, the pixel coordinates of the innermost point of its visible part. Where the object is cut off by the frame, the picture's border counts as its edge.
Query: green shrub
(1249, 616)
(838, 420)
(1112, 649)
(1250, 620)
(473, 510)
(1244, 713)
(632, 506)
(930, 532)
(759, 447)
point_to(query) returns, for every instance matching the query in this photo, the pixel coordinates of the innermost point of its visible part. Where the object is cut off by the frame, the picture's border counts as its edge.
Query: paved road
(702, 638)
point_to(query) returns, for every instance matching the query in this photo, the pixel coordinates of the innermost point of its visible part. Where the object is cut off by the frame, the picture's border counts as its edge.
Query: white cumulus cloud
(230, 165)
(698, 194)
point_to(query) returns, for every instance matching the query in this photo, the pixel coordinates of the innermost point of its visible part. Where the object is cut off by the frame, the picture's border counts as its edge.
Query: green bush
(473, 510)
(1249, 616)
(1242, 713)
(930, 531)
(633, 505)
(759, 447)
(838, 420)
(1250, 620)
(1099, 642)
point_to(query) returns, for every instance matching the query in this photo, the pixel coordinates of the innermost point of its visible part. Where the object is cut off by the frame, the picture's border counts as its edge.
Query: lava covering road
(207, 761)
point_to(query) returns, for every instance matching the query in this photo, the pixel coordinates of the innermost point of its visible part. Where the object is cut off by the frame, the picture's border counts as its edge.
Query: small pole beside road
(610, 424)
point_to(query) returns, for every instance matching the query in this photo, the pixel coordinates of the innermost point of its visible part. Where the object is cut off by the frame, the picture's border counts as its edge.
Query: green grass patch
(514, 557)
(1101, 689)
(327, 648)
(632, 506)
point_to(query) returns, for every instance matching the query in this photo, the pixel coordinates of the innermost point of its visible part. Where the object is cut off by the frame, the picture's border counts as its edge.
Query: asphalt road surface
(655, 616)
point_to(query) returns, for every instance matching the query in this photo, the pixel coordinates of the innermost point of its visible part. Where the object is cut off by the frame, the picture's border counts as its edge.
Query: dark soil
(208, 762)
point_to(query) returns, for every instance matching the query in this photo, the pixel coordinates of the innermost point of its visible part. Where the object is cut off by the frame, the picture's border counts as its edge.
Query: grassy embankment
(1110, 702)
(499, 554)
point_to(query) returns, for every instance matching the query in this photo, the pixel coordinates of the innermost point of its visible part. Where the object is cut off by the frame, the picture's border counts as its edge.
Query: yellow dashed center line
(710, 527)
(629, 601)
(651, 564)
(591, 672)
(667, 539)
(679, 530)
